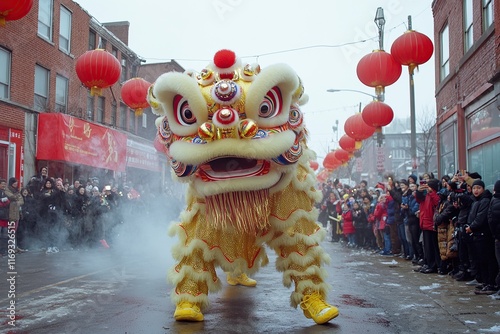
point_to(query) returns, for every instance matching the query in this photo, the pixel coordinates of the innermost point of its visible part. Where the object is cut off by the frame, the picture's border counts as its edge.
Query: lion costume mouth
(232, 168)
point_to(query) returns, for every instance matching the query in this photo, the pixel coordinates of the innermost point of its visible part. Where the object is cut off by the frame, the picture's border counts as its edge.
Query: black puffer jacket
(478, 215)
(494, 216)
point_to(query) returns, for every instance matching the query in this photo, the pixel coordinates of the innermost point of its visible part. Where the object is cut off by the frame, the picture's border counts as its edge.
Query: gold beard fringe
(246, 211)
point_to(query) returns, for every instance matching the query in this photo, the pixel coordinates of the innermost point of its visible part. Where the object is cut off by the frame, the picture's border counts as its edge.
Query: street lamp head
(331, 90)
(379, 17)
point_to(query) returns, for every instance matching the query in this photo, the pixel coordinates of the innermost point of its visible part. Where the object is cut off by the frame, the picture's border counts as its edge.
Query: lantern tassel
(138, 112)
(95, 91)
(2, 20)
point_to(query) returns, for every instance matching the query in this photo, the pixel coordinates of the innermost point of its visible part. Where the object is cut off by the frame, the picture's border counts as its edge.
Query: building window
(444, 52)
(447, 150)
(131, 120)
(5, 64)
(41, 88)
(61, 94)
(123, 116)
(45, 18)
(65, 30)
(124, 69)
(100, 109)
(144, 120)
(468, 19)
(113, 114)
(487, 14)
(114, 52)
(484, 124)
(90, 106)
(92, 40)
(485, 160)
(102, 43)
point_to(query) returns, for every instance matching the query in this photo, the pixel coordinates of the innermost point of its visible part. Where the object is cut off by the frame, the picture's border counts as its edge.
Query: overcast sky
(323, 40)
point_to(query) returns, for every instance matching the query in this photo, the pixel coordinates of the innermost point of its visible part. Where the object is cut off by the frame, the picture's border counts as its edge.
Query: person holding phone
(428, 199)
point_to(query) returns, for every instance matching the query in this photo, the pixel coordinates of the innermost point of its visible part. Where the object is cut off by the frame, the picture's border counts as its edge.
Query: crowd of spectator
(447, 226)
(48, 213)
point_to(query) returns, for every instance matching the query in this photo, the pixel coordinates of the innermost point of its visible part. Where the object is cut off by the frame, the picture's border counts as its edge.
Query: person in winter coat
(483, 240)
(428, 199)
(360, 222)
(444, 217)
(348, 224)
(26, 232)
(397, 234)
(51, 214)
(409, 207)
(380, 216)
(4, 217)
(16, 201)
(494, 223)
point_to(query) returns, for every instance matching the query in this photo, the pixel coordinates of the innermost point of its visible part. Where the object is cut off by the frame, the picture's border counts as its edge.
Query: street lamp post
(331, 90)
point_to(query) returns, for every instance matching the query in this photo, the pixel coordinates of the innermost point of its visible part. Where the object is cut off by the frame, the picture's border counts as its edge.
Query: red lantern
(357, 129)
(331, 162)
(342, 156)
(377, 114)
(412, 49)
(98, 69)
(314, 165)
(11, 10)
(347, 143)
(134, 93)
(323, 175)
(378, 69)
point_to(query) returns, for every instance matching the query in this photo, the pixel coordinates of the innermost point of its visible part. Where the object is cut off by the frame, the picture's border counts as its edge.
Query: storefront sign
(66, 138)
(142, 155)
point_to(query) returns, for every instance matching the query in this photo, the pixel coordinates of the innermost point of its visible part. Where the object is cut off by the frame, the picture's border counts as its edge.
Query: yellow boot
(316, 308)
(242, 279)
(186, 311)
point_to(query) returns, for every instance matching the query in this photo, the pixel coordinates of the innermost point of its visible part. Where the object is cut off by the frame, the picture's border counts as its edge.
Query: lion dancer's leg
(296, 238)
(194, 275)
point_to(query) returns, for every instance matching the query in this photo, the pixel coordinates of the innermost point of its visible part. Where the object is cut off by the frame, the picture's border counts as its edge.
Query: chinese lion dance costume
(236, 135)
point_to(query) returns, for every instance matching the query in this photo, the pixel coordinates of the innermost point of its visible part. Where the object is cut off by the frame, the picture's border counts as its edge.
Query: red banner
(16, 143)
(66, 138)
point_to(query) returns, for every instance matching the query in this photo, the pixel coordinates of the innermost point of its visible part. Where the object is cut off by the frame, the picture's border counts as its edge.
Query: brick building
(467, 62)
(44, 106)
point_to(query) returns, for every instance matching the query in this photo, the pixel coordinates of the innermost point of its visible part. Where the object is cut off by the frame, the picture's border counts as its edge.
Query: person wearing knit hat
(479, 183)
(483, 241)
(496, 188)
(412, 178)
(433, 184)
(16, 201)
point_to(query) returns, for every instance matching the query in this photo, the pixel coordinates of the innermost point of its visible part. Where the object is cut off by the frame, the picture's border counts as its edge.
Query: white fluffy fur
(265, 148)
(167, 86)
(280, 75)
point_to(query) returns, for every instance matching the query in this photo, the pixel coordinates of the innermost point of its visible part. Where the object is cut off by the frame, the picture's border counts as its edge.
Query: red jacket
(428, 205)
(348, 227)
(380, 214)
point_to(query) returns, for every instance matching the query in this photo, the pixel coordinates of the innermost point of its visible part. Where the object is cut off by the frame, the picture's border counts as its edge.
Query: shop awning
(66, 138)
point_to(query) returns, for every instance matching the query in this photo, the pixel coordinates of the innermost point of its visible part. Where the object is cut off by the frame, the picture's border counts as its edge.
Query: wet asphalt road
(124, 290)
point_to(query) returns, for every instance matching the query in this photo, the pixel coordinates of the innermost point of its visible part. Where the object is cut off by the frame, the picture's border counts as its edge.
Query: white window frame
(5, 69)
(45, 18)
(144, 120)
(444, 52)
(42, 77)
(65, 20)
(61, 94)
(487, 14)
(99, 117)
(468, 25)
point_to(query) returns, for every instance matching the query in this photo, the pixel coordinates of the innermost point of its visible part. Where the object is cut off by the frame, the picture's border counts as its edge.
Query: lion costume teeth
(235, 134)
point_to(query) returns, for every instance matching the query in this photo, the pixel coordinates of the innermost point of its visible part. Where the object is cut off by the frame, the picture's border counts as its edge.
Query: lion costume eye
(271, 105)
(182, 111)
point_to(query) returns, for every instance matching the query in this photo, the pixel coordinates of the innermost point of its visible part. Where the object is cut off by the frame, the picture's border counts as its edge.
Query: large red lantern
(378, 69)
(342, 156)
(347, 144)
(314, 165)
(331, 162)
(11, 10)
(356, 128)
(412, 49)
(323, 175)
(98, 69)
(134, 93)
(377, 114)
